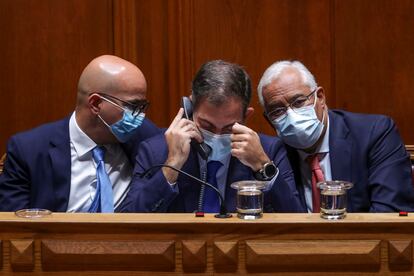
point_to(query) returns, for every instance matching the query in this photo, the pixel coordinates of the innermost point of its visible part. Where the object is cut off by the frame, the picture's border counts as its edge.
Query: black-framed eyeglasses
(299, 102)
(135, 108)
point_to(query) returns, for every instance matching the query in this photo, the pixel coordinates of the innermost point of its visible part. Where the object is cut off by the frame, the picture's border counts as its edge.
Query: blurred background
(360, 51)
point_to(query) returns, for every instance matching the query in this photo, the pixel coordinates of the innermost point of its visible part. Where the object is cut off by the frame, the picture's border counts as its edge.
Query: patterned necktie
(104, 200)
(317, 176)
(211, 198)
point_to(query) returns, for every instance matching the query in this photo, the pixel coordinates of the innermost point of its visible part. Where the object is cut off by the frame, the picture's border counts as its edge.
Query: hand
(246, 146)
(178, 137)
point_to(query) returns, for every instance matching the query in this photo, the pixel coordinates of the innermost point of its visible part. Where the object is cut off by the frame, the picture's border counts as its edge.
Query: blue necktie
(211, 198)
(103, 201)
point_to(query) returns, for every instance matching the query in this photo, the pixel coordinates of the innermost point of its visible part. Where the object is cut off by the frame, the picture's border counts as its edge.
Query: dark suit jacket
(367, 151)
(37, 171)
(154, 194)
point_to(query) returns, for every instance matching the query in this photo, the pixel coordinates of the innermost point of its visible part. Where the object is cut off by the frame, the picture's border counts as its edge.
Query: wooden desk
(290, 244)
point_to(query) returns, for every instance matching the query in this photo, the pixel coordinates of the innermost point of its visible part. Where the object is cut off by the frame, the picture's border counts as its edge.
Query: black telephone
(202, 148)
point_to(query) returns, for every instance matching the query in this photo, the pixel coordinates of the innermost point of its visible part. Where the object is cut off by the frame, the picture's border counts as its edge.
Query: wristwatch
(267, 172)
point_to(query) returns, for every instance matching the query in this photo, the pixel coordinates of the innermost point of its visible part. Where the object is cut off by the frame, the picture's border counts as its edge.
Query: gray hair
(276, 69)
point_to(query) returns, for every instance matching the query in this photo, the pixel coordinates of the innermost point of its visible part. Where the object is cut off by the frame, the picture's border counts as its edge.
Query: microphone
(223, 211)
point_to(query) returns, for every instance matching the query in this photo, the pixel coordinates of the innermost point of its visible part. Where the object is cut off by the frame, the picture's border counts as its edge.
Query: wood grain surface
(139, 244)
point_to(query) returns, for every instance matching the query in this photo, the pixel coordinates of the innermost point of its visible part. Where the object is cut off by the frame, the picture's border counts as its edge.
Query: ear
(249, 112)
(94, 103)
(321, 96)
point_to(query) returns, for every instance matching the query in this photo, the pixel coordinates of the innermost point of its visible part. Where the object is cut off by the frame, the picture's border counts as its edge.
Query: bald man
(83, 162)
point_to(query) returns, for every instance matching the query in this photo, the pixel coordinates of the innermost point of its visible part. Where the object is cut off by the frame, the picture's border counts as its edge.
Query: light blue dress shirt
(305, 170)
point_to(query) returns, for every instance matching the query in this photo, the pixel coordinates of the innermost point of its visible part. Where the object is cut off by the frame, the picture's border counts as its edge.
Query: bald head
(111, 75)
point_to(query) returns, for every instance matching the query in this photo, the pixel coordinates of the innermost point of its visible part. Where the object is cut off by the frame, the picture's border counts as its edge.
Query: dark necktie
(317, 176)
(103, 201)
(211, 198)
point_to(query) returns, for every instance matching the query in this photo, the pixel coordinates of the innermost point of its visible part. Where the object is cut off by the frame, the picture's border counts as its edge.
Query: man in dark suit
(221, 95)
(55, 166)
(327, 144)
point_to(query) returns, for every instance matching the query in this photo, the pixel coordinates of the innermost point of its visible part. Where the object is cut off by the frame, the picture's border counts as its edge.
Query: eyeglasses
(135, 109)
(299, 102)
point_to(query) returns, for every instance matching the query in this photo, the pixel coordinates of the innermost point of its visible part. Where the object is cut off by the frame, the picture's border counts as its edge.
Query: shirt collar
(80, 141)
(323, 148)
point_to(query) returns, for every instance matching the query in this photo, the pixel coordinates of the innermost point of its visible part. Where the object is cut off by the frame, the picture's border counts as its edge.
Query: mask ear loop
(113, 103)
(103, 121)
(314, 104)
(99, 116)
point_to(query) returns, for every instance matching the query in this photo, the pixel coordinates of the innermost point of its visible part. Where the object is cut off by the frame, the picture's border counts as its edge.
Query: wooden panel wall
(374, 59)
(44, 47)
(360, 51)
(174, 38)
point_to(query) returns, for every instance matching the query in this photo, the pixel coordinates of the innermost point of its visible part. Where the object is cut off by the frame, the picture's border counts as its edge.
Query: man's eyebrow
(295, 96)
(279, 104)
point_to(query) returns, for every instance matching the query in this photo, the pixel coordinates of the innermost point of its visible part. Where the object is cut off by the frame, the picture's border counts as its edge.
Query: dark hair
(218, 80)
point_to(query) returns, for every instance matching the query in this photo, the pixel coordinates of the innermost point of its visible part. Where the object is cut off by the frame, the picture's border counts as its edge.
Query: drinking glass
(333, 199)
(249, 198)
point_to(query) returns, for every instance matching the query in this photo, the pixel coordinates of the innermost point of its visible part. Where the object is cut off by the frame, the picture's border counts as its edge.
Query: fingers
(195, 134)
(239, 137)
(238, 153)
(239, 145)
(184, 122)
(177, 117)
(239, 129)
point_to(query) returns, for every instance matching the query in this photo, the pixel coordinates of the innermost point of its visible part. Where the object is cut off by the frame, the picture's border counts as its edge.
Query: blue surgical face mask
(301, 128)
(220, 144)
(125, 128)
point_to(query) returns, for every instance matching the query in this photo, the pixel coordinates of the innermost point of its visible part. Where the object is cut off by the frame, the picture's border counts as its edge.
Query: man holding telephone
(208, 139)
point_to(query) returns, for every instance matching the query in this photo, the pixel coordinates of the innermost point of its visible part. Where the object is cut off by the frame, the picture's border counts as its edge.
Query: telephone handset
(202, 148)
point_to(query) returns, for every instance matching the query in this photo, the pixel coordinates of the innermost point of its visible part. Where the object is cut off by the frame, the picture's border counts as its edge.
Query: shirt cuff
(271, 182)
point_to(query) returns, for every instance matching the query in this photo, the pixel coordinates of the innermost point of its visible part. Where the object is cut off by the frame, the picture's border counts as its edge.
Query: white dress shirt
(83, 170)
(325, 163)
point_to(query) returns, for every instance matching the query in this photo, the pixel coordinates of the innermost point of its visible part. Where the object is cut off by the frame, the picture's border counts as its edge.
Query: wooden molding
(1, 255)
(194, 254)
(22, 255)
(108, 255)
(321, 255)
(176, 244)
(400, 255)
(226, 256)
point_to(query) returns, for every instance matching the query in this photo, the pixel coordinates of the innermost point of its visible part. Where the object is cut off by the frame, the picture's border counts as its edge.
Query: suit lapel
(190, 187)
(59, 152)
(340, 148)
(294, 160)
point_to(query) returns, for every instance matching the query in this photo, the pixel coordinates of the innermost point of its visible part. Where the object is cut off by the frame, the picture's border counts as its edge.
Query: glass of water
(249, 198)
(333, 198)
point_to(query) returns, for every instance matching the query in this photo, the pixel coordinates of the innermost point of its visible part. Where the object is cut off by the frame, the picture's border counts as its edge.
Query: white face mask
(220, 144)
(301, 128)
